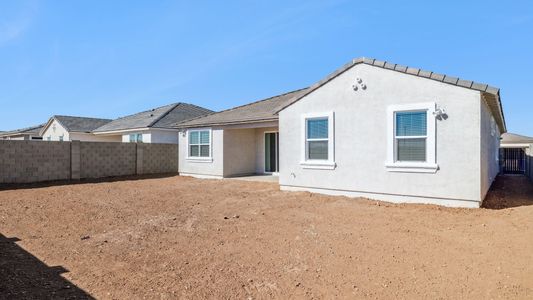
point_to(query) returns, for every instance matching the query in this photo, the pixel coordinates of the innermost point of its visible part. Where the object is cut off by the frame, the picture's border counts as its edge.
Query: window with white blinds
(411, 136)
(317, 139)
(199, 143)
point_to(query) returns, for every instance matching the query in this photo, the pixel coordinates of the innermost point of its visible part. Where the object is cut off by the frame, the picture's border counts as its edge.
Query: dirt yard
(179, 237)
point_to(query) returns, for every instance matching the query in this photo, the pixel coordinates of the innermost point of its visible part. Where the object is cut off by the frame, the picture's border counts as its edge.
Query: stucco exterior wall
(213, 167)
(55, 134)
(260, 148)
(490, 145)
(164, 136)
(239, 152)
(89, 137)
(360, 140)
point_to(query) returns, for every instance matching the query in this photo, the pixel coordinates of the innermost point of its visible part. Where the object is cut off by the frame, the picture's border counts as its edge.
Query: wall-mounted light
(440, 113)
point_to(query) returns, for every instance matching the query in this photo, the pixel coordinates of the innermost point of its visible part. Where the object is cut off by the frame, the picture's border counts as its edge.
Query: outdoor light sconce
(358, 83)
(183, 133)
(440, 113)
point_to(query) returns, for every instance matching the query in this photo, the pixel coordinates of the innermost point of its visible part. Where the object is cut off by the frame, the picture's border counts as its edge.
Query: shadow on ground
(24, 276)
(509, 191)
(17, 186)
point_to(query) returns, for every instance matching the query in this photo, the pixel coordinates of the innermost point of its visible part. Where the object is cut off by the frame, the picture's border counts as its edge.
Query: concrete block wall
(103, 159)
(35, 161)
(157, 158)
(31, 161)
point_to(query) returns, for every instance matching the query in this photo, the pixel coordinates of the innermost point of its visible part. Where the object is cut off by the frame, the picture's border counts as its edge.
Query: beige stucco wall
(213, 167)
(360, 121)
(239, 152)
(89, 137)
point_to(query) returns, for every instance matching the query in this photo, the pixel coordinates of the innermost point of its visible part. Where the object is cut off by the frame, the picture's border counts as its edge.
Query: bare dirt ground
(180, 237)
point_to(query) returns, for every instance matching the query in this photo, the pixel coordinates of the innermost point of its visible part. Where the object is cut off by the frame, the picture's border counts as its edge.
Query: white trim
(122, 131)
(393, 198)
(515, 145)
(328, 164)
(205, 159)
(430, 165)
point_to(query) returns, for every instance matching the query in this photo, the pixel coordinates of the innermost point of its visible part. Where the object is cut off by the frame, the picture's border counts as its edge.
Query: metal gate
(513, 161)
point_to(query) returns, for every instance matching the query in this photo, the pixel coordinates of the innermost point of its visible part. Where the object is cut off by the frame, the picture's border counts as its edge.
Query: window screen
(317, 139)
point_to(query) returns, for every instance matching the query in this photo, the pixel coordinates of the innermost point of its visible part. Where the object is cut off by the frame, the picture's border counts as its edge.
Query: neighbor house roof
(161, 117)
(259, 111)
(489, 93)
(511, 138)
(32, 130)
(77, 124)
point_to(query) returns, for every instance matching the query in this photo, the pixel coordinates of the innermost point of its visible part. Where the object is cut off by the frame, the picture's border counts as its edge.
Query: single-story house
(151, 126)
(28, 133)
(516, 154)
(370, 129)
(70, 128)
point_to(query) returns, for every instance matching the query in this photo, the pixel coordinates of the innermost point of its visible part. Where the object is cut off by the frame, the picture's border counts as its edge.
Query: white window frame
(324, 164)
(430, 165)
(135, 137)
(200, 158)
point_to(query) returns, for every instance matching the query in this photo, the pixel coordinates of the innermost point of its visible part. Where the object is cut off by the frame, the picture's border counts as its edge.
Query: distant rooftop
(80, 124)
(160, 117)
(511, 138)
(32, 130)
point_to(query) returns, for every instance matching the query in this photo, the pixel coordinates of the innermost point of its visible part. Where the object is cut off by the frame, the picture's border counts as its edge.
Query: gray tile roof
(161, 117)
(511, 138)
(80, 124)
(489, 93)
(32, 130)
(259, 111)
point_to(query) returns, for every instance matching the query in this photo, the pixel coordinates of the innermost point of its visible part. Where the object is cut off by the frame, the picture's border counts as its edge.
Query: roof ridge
(145, 111)
(55, 116)
(164, 114)
(240, 106)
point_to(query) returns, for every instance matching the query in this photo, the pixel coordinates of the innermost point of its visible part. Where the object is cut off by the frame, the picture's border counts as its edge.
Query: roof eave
(227, 123)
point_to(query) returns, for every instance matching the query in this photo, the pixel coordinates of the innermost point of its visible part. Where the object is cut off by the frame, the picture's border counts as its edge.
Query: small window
(199, 143)
(49, 138)
(411, 136)
(317, 139)
(60, 138)
(136, 138)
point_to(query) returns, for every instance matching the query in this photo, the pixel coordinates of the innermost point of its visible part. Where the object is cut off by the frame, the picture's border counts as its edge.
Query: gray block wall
(32, 161)
(99, 160)
(36, 161)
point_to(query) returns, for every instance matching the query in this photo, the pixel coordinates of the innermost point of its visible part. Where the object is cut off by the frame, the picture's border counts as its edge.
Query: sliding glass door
(271, 152)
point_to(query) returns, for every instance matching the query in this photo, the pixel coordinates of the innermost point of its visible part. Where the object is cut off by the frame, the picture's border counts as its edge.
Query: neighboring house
(371, 129)
(151, 126)
(516, 154)
(69, 128)
(29, 133)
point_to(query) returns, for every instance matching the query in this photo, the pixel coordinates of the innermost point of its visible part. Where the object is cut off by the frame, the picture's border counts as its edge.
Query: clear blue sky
(113, 58)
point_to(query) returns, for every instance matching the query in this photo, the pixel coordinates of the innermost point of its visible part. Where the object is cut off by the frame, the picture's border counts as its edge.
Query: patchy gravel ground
(189, 238)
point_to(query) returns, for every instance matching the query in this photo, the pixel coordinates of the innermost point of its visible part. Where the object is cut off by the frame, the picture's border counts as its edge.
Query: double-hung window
(411, 138)
(200, 143)
(317, 149)
(410, 135)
